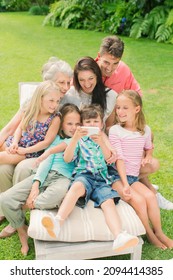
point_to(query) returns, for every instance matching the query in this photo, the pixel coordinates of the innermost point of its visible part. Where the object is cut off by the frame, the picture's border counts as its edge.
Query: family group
(82, 135)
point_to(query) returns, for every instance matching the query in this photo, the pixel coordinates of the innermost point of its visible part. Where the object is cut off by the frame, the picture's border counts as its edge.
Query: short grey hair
(53, 66)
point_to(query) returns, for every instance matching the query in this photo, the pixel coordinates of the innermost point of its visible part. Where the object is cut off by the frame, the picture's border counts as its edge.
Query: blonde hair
(136, 99)
(34, 107)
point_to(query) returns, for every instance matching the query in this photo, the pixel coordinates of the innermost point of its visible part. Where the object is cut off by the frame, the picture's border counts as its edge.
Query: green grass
(26, 45)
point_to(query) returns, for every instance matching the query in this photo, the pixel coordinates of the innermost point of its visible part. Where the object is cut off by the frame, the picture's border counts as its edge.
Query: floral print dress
(30, 137)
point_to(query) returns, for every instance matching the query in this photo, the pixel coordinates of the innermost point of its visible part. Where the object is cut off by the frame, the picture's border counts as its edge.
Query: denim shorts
(96, 189)
(115, 176)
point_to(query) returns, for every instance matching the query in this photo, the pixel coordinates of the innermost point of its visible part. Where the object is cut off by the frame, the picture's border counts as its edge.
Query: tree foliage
(135, 18)
(157, 24)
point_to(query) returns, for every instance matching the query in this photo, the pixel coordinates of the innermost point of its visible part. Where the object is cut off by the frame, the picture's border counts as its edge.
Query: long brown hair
(87, 63)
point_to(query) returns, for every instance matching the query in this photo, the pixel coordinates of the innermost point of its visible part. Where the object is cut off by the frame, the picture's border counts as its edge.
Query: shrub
(22, 5)
(39, 10)
(157, 24)
(15, 5)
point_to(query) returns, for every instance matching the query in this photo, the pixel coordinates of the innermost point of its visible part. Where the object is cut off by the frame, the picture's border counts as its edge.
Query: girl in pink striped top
(131, 138)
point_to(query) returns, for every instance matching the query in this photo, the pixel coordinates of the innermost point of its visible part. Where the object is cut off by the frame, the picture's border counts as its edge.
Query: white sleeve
(111, 96)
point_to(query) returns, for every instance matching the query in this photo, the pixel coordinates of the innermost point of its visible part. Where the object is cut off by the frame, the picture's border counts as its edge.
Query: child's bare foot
(164, 239)
(156, 242)
(23, 236)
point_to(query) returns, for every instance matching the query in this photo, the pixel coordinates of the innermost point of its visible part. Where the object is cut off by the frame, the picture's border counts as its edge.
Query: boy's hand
(80, 132)
(98, 138)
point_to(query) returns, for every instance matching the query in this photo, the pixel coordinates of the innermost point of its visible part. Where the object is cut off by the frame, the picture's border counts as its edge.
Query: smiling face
(87, 80)
(126, 110)
(50, 102)
(63, 82)
(70, 123)
(108, 64)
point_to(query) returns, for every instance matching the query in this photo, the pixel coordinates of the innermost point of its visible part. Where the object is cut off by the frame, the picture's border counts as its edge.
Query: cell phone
(91, 130)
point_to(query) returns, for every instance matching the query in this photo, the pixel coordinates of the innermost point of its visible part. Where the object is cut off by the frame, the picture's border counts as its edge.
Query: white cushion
(26, 90)
(86, 224)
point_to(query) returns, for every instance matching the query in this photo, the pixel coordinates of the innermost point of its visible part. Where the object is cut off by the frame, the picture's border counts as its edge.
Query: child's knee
(78, 188)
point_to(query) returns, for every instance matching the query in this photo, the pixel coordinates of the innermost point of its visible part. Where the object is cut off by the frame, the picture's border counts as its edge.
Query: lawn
(25, 45)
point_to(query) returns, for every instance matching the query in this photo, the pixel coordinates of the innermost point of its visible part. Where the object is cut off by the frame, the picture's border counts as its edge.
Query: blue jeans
(115, 176)
(96, 189)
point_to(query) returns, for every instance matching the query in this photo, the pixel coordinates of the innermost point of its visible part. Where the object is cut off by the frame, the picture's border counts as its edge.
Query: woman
(88, 88)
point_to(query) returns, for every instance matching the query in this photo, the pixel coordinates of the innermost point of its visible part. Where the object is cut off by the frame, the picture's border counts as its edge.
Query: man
(118, 76)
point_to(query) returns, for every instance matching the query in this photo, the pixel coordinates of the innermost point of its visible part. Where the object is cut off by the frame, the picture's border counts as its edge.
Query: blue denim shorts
(96, 189)
(115, 176)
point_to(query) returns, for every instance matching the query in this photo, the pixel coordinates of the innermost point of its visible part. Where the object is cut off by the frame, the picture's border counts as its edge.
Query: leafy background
(26, 45)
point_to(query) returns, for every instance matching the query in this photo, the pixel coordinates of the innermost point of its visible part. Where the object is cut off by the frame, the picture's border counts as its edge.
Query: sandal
(7, 231)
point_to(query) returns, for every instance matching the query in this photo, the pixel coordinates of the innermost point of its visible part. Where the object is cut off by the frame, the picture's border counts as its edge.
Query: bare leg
(53, 223)
(23, 236)
(76, 191)
(145, 181)
(138, 202)
(6, 158)
(147, 170)
(111, 216)
(154, 216)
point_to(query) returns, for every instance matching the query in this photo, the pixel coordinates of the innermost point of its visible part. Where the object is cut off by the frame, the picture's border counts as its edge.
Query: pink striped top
(130, 146)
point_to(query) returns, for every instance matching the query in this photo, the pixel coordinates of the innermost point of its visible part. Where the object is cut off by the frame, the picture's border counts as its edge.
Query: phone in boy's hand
(91, 129)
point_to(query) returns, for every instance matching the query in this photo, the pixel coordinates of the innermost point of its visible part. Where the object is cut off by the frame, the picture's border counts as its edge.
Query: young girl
(47, 188)
(38, 127)
(90, 179)
(131, 138)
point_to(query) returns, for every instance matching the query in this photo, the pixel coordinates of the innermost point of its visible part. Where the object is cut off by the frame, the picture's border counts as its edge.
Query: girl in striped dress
(131, 138)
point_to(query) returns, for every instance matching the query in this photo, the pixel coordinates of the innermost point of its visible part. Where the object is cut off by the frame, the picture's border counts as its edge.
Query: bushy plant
(134, 18)
(15, 5)
(22, 5)
(158, 24)
(86, 14)
(119, 16)
(39, 10)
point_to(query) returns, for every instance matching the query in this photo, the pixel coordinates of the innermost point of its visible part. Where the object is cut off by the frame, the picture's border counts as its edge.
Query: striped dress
(130, 146)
